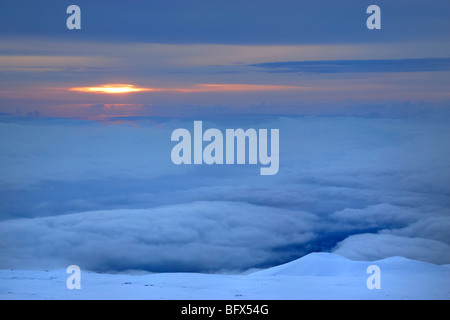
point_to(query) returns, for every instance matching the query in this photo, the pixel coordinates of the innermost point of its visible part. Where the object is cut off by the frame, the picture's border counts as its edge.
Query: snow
(314, 276)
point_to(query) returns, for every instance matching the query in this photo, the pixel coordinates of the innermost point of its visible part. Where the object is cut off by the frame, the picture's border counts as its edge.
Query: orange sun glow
(198, 88)
(112, 88)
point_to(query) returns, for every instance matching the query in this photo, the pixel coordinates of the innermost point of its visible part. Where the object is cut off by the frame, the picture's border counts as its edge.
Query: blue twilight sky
(230, 22)
(196, 57)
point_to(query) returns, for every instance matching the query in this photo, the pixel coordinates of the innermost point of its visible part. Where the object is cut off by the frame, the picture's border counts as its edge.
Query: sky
(196, 57)
(86, 118)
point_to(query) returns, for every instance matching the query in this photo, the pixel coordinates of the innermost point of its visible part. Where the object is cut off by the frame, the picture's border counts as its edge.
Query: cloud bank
(379, 246)
(108, 198)
(195, 236)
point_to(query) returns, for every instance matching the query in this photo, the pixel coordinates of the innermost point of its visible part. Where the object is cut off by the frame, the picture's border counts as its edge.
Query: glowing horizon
(236, 87)
(112, 88)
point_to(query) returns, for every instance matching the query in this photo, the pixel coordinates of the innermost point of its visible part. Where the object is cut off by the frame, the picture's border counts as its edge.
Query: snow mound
(313, 264)
(330, 264)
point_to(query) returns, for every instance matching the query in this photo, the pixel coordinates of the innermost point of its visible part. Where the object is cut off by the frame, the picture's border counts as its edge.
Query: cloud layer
(379, 246)
(186, 237)
(107, 197)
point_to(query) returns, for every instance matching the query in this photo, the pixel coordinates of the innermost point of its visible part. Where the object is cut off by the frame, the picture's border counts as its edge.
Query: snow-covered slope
(315, 276)
(333, 265)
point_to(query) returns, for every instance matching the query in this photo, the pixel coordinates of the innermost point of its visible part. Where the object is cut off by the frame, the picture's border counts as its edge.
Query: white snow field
(314, 276)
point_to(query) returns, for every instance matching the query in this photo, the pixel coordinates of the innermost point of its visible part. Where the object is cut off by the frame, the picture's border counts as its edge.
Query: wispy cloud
(45, 63)
(359, 66)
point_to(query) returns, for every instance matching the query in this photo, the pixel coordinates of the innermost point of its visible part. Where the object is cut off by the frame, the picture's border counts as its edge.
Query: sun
(111, 88)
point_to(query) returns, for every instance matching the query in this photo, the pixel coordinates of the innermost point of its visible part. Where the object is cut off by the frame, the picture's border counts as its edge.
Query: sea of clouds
(107, 197)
